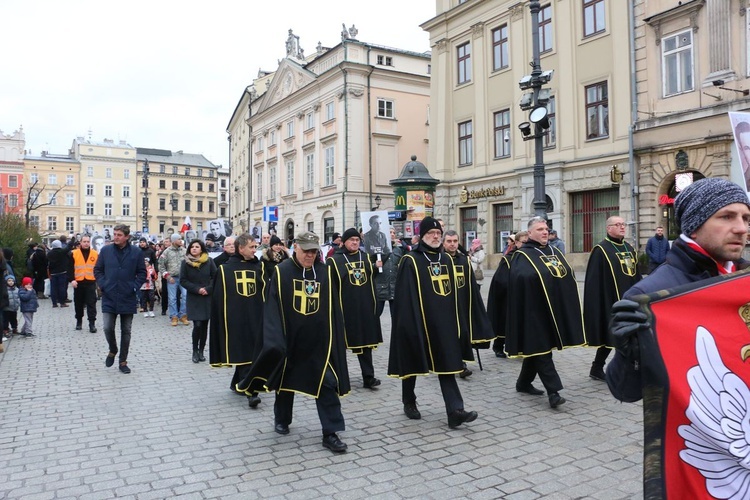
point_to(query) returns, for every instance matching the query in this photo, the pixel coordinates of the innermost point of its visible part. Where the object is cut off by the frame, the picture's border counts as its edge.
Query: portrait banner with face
(216, 232)
(376, 232)
(740, 169)
(696, 389)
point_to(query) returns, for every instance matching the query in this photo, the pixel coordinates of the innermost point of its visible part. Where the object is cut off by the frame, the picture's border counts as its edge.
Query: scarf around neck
(196, 261)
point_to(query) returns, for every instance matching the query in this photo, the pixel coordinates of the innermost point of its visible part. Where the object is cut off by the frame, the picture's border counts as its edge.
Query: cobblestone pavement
(72, 428)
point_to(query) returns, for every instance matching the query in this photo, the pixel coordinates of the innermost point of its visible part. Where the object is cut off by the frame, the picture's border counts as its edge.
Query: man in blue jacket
(657, 247)
(119, 271)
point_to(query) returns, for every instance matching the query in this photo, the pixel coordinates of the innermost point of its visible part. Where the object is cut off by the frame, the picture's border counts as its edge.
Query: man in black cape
(426, 336)
(304, 349)
(237, 313)
(611, 271)
(352, 271)
(475, 325)
(544, 311)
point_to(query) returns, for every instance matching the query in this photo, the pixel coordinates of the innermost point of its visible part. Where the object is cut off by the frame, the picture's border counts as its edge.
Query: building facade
(12, 148)
(180, 185)
(323, 135)
(693, 63)
(480, 52)
(108, 185)
(53, 191)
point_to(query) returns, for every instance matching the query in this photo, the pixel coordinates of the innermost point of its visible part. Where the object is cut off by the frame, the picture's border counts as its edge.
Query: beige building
(179, 185)
(108, 180)
(53, 185)
(224, 197)
(480, 51)
(323, 135)
(693, 62)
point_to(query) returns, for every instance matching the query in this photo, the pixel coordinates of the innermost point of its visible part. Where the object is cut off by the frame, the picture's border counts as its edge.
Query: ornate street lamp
(145, 195)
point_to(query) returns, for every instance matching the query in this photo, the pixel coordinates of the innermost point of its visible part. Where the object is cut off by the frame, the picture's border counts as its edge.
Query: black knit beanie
(700, 200)
(349, 233)
(427, 224)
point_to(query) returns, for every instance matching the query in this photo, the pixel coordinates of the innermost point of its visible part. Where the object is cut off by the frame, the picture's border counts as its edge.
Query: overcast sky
(165, 73)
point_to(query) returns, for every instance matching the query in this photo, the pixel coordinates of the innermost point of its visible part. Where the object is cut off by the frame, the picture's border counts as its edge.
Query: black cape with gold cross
(610, 272)
(426, 337)
(353, 275)
(544, 308)
(303, 333)
(497, 307)
(237, 312)
(475, 324)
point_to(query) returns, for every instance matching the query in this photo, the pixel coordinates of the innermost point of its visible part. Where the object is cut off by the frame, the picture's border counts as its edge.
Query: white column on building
(719, 37)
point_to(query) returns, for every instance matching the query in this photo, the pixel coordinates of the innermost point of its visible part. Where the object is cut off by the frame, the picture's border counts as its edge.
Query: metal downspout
(249, 161)
(346, 134)
(635, 191)
(369, 125)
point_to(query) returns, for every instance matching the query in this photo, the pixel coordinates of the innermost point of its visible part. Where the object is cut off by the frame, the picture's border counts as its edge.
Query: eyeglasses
(618, 224)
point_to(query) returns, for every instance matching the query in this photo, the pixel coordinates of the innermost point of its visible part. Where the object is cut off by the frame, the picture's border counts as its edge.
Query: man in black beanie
(353, 270)
(713, 215)
(426, 337)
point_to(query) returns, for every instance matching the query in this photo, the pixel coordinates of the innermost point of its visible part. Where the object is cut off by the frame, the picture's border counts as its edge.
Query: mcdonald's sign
(399, 194)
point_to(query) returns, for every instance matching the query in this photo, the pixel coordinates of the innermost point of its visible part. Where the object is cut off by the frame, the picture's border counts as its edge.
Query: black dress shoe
(253, 402)
(465, 373)
(529, 389)
(371, 383)
(124, 367)
(597, 373)
(109, 360)
(79, 326)
(281, 429)
(410, 410)
(500, 354)
(458, 417)
(333, 443)
(92, 327)
(555, 400)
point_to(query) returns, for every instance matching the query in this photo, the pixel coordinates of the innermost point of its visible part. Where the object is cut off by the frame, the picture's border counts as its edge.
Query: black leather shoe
(281, 429)
(195, 356)
(410, 410)
(124, 367)
(597, 373)
(201, 357)
(529, 389)
(466, 373)
(92, 327)
(459, 417)
(371, 383)
(79, 326)
(555, 400)
(109, 360)
(253, 402)
(500, 354)
(333, 443)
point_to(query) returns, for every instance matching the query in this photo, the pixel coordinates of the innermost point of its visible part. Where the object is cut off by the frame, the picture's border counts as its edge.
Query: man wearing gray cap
(713, 215)
(303, 350)
(170, 262)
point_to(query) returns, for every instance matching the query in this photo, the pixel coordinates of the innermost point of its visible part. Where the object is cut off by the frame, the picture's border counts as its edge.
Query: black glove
(627, 320)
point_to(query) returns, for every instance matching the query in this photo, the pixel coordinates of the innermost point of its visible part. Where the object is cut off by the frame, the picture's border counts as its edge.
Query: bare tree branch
(32, 200)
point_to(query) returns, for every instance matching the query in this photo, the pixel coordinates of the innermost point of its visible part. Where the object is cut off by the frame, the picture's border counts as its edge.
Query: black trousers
(365, 363)
(601, 356)
(448, 386)
(84, 295)
(327, 403)
(164, 300)
(544, 367)
(380, 306)
(200, 333)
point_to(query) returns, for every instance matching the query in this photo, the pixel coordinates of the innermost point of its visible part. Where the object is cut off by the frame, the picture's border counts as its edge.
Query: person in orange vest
(81, 278)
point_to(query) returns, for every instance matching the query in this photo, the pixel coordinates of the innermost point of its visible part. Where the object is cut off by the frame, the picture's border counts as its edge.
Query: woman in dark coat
(39, 267)
(197, 277)
(273, 255)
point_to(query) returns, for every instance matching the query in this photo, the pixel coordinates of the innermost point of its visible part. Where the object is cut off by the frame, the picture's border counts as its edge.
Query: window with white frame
(309, 171)
(34, 178)
(290, 129)
(502, 133)
(52, 179)
(12, 200)
(126, 173)
(329, 172)
(199, 172)
(271, 138)
(597, 111)
(550, 136)
(162, 169)
(545, 29)
(187, 170)
(89, 208)
(593, 17)
(260, 143)
(500, 58)
(330, 111)
(465, 145)
(52, 198)
(677, 63)
(108, 173)
(68, 180)
(34, 220)
(108, 209)
(126, 191)
(223, 183)
(70, 224)
(309, 120)
(175, 170)
(89, 171)
(89, 190)
(126, 209)
(70, 199)
(12, 181)
(51, 223)
(385, 108)
(463, 52)
(290, 177)
(259, 186)
(211, 174)
(271, 182)
(107, 190)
